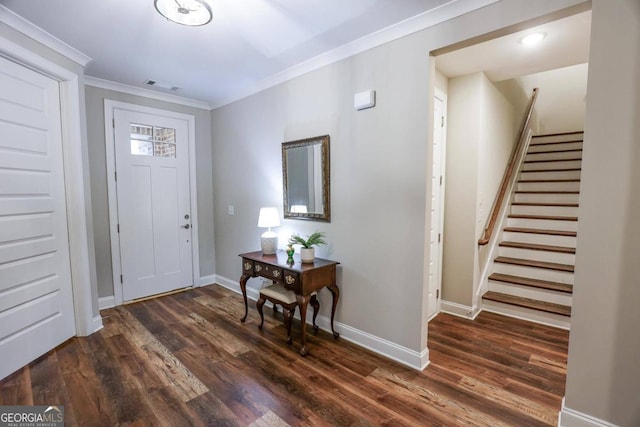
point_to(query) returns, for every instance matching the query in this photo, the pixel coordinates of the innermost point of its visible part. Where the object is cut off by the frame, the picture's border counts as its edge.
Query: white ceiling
(249, 45)
(566, 43)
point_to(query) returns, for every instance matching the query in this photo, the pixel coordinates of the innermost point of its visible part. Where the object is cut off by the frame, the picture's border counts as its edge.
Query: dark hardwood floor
(185, 359)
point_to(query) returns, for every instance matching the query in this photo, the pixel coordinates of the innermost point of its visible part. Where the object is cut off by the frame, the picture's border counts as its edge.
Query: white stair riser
(536, 175)
(540, 239)
(540, 166)
(568, 155)
(543, 224)
(527, 314)
(548, 186)
(534, 272)
(531, 292)
(577, 136)
(537, 255)
(544, 210)
(546, 198)
(536, 148)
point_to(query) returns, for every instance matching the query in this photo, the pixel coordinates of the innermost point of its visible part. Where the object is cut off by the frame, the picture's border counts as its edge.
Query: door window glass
(154, 141)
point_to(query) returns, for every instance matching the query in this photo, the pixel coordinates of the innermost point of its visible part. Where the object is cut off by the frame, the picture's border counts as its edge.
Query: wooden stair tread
(559, 205)
(570, 150)
(549, 217)
(538, 144)
(535, 283)
(553, 160)
(553, 170)
(548, 307)
(546, 135)
(549, 180)
(536, 264)
(546, 192)
(539, 231)
(538, 247)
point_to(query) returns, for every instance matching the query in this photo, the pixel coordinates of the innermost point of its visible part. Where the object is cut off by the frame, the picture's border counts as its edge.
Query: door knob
(187, 226)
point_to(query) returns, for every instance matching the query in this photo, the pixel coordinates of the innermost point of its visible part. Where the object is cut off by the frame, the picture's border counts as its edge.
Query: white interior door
(437, 204)
(36, 301)
(152, 167)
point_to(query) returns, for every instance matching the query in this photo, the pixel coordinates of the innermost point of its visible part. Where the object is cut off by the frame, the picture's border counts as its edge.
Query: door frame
(116, 268)
(442, 96)
(75, 176)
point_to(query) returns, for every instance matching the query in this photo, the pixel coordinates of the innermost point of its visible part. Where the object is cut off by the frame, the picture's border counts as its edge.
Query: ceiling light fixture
(532, 39)
(185, 12)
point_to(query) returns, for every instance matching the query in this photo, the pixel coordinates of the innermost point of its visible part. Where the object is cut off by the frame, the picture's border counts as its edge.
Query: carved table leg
(243, 288)
(335, 291)
(288, 320)
(316, 307)
(259, 305)
(303, 301)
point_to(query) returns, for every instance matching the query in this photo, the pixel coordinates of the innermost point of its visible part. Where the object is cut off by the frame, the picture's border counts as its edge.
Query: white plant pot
(307, 254)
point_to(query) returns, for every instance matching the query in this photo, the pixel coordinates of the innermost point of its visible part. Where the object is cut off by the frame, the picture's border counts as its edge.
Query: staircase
(532, 276)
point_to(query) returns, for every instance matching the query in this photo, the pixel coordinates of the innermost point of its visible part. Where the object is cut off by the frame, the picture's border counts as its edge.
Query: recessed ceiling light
(531, 39)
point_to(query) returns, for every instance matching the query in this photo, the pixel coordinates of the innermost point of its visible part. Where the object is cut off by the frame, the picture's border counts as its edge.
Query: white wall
(377, 183)
(561, 100)
(513, 91)
(479, 144)
(459, 247)
(603, 378)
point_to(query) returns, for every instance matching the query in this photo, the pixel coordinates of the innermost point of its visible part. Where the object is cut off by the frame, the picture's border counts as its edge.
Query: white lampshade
(268, 218)
(185, 12)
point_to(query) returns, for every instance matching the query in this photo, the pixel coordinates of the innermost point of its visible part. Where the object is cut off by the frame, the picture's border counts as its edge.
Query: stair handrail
(508, 174)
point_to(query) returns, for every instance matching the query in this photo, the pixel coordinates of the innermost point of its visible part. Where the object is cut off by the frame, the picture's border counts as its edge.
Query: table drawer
(268, 271)
(247, 266)
(292, 281)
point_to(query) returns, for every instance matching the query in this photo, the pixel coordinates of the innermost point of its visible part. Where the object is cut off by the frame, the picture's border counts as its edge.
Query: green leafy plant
(316, 239)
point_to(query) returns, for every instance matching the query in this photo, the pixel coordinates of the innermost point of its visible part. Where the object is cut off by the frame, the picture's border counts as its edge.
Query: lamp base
(269, 242)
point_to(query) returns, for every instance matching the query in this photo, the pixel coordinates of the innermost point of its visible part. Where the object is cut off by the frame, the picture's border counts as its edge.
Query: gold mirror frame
(310, 167)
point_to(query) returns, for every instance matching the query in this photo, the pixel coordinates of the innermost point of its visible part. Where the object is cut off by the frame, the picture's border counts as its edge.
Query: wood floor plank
(16, 388)
(187, 360)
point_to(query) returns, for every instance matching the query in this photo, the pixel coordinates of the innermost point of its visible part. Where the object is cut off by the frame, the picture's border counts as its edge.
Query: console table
(301, 278)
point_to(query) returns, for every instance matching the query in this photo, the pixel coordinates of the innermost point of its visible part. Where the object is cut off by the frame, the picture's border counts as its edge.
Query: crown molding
(146, 93)
(445, 12)
(30, 30)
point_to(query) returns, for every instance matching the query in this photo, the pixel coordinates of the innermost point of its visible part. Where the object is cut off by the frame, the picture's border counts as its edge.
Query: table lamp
(269, 240)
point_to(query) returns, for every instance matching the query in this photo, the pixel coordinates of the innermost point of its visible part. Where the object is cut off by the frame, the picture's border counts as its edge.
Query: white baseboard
(97, 323)
(459, 310)
(207, 280)
(571, 418)
(106, 302)
(110, 302)
(411, 358)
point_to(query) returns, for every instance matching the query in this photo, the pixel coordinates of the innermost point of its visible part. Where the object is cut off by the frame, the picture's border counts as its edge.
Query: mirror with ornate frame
(305, 175)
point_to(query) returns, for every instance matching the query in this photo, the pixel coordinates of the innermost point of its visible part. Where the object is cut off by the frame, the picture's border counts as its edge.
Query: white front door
(437, 204)
(36, 301)
(154, 215)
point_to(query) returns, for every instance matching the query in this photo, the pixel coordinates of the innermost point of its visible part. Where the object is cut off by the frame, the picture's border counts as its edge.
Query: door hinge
(439, 237)
(437, 293)
(121, 279)
(113, 123)
(115, 176)
(118, 227)
(442, 121)
(440, 179)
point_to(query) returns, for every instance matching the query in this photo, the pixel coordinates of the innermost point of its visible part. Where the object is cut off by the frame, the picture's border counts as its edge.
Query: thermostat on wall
(363, 100)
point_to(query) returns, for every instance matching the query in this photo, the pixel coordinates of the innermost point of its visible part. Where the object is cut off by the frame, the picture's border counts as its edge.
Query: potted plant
(307, 251)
